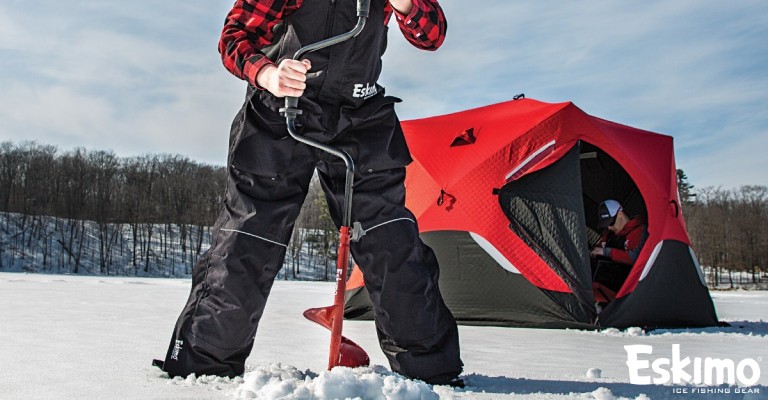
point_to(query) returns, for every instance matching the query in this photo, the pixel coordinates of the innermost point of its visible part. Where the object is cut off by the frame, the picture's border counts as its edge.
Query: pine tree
(684, 188)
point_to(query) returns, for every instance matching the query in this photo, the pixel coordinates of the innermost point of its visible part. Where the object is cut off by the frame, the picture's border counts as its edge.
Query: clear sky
(145, 76)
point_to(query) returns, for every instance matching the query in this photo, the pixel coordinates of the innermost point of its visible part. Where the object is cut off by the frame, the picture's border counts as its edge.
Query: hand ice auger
(343, 351)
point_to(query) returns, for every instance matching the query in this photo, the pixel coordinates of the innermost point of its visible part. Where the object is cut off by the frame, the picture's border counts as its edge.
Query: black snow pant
(268, 178)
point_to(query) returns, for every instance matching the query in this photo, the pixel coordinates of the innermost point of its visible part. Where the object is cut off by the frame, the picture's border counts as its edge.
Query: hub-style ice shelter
(507, 197)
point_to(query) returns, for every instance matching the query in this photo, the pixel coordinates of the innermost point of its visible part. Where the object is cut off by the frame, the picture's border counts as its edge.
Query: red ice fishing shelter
(507, 195)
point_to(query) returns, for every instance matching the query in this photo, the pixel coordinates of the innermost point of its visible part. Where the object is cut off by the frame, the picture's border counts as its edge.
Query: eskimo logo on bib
(364, 90)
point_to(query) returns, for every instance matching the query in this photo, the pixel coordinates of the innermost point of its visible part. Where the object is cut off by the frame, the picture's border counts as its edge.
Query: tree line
(161, 207)
(154, 213)
(728, 230)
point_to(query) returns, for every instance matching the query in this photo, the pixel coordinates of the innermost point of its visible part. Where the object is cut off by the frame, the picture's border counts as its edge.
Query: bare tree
(105, 166)
(728, 231)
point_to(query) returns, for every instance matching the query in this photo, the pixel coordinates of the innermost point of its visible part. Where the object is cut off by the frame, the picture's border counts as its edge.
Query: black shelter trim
(671, 295)
(478, 291)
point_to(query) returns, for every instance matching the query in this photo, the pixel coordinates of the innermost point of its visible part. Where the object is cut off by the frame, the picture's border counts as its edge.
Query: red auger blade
(350, 354)
(343, 352)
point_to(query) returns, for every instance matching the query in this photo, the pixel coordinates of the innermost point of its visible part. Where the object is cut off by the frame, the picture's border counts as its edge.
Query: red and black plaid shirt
(248, 28)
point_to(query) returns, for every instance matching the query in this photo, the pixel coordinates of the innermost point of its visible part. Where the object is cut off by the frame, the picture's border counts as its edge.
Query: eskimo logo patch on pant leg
(176, 349)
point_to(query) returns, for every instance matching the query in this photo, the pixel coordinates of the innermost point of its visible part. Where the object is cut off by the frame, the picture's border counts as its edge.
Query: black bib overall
(268, 179)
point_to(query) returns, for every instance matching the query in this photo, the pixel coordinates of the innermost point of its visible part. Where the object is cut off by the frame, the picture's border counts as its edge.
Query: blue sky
(145, 76)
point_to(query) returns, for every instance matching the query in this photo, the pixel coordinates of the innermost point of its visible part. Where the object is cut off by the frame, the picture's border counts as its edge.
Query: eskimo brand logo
(176, 349)
(707, 371)
(364, 91)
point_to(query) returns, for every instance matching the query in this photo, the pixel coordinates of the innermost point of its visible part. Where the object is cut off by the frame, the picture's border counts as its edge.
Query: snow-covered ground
(75, 337)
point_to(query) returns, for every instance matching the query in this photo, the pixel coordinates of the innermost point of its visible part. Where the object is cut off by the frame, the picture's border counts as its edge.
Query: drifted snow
(375, 383)
(277, 381)
(74, 337)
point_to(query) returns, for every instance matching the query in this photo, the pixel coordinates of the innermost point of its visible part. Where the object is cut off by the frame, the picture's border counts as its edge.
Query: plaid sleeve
(424, 27)
(247, 29)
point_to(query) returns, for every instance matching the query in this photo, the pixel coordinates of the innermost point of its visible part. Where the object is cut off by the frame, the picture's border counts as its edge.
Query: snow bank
(210, 381)
(286, 382)
(277, 381)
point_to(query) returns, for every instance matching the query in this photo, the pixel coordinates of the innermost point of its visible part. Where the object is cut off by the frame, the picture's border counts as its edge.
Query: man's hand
(597, 251)
(286, 79)
(402, 6)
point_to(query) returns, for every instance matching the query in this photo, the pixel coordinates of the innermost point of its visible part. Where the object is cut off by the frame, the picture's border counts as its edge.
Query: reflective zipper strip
(389, 222)
(527, 163)
(252, 235)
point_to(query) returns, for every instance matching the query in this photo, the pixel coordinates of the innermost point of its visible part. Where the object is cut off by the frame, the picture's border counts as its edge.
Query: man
(621, 242)
(269, 175)
(623, 237)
